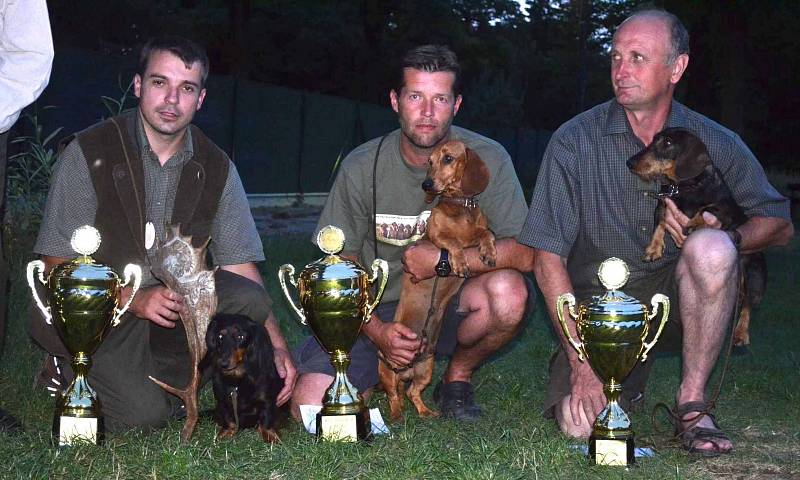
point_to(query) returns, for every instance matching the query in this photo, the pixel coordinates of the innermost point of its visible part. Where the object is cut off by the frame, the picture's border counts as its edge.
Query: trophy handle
(284, 270)
(569, 299)
(664, 300)
(31, 274)
(134, 271)
(383, 267)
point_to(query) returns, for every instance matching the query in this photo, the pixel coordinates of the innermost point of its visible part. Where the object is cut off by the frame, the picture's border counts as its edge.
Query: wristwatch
(736, 238)
(443, 268)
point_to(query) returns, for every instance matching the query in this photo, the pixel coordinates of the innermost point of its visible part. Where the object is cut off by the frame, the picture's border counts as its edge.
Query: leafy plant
(115, 106)
(29, 173)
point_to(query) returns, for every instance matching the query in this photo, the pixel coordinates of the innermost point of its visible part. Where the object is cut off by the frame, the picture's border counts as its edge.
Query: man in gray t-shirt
(587, 206)
(170, 172)
(491, 305)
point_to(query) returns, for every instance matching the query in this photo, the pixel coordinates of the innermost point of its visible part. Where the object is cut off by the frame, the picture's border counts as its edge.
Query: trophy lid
(330, 240)
(613, 274)
(85, 241)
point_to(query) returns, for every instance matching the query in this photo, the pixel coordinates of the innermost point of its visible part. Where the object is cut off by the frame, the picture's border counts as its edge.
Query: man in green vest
(130, 176)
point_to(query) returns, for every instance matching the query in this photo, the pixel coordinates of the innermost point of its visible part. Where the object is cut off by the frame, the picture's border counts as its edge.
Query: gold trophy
(83, 299)
(612, 329)
(335, 301)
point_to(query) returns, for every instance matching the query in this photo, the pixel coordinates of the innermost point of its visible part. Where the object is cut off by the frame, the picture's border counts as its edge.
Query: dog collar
(469, 202)
(668, 190)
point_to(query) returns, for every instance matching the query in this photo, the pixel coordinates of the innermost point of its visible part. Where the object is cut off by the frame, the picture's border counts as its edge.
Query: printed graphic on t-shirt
(401, 230)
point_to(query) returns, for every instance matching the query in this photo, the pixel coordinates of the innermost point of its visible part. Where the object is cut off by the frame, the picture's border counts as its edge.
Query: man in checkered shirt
(587, 207)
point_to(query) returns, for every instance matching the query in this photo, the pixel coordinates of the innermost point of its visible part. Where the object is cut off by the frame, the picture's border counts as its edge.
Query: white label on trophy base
(73, 429)
(611, 452)
(341, 428)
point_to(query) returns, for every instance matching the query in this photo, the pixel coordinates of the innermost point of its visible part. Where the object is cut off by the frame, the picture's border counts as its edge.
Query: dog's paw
(489, 260)
(269, 435)
(653, 252)
(741, 337)
(458, 263)
(488, 253)
(652, 255)
(224, 433)
(428, 413)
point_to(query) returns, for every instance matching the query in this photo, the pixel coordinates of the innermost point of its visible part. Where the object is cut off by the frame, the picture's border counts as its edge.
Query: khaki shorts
(309, 357)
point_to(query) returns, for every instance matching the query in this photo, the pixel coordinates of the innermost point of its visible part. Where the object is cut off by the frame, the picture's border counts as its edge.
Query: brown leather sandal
(692, 434)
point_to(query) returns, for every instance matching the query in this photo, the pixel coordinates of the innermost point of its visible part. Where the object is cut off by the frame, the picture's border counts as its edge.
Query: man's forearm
(759, 233)
(510, 254)
(553, 280)
(274, 332)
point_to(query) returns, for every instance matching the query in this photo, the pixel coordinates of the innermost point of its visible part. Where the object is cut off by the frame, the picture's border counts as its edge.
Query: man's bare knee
(309, 390)
(507, 297)
(708, 250)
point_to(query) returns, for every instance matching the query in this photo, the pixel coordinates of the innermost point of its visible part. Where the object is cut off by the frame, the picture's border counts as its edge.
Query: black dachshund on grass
(246, 382)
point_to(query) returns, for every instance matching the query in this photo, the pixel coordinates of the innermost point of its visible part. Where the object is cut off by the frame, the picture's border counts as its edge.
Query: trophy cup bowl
(82, 305)
(335, 301)
(612, 329)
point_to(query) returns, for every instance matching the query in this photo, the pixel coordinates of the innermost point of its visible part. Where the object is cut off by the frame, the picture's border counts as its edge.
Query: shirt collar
(183, 155)
(617, 121)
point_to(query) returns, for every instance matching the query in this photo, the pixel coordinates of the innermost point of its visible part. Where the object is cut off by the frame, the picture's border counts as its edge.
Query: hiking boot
(457, 400)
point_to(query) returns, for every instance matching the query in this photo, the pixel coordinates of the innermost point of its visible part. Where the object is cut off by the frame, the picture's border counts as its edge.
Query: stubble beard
(425, 142)
(166, 129)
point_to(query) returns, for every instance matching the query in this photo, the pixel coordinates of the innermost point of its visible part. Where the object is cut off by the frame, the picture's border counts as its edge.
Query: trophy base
(613, 452)
(350, 427)
(68, 431)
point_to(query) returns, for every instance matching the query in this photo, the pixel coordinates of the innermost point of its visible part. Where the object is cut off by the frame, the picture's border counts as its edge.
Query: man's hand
(287, 371)
(419, 260)
(587, 393)
(396, 341)
(158, 304)
(675, 220)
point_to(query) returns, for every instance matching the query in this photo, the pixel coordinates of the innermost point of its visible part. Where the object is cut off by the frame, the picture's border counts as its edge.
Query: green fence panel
(268, 137)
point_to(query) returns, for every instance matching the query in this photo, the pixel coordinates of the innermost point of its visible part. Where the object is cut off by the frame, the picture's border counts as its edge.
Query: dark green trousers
(137, 348)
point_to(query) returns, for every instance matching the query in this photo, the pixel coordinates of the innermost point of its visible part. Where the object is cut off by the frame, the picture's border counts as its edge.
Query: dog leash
(424, 335)
(673, 416)
(235, 402)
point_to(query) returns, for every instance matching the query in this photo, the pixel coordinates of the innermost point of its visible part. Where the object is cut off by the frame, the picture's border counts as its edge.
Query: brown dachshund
(680, 161)
(456, 174)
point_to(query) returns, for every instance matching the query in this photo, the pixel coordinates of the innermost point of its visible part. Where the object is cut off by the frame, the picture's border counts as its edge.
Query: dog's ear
(475, 178)
(691, 162)
(258, 340)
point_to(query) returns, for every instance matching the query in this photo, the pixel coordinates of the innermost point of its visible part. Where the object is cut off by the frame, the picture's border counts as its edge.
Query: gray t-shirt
(401, 209)
(72, 202)
(587, 206)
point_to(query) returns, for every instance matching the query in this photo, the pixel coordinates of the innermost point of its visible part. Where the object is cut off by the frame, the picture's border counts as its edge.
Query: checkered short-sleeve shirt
(587, 206)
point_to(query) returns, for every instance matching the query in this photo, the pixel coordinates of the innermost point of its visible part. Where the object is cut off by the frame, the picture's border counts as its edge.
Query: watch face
(443, 268)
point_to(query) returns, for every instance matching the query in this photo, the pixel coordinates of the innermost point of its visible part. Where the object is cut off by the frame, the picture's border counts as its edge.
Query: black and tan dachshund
(246, 382)
(680, 161)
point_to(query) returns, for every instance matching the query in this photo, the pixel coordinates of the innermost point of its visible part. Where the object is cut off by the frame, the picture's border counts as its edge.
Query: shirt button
(644, 229)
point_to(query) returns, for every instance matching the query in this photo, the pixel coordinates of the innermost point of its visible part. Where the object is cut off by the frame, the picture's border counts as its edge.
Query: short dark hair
(183, 48)
(679, 37)
(431, 58)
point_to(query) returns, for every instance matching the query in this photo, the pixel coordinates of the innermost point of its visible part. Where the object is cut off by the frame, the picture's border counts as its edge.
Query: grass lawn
(759, 408)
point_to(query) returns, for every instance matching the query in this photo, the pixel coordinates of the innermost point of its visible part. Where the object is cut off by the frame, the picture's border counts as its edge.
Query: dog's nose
(631, 162)
(427, 185)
